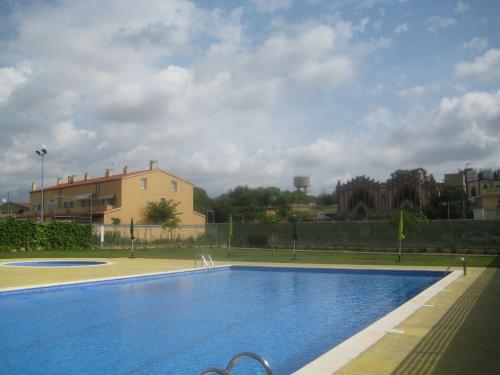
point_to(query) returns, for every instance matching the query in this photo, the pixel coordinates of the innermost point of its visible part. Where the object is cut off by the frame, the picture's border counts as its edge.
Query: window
(173, 185)
(473, 191)
(109, 201)
(50, 206)
(34, 208)
(68, 204)
(144, 183)
(85, 202)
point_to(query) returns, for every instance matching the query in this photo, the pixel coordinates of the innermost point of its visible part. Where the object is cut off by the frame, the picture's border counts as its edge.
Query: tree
(164, 213)
(450, 200)
(271, 221)
(325, 199)
(202, 201)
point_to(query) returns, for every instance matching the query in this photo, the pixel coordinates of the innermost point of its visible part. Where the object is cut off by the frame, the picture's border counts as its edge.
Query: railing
(206, 262)
(229, 368)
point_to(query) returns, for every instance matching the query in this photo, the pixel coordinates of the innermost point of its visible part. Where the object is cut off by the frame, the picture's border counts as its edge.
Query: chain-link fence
(435, 236)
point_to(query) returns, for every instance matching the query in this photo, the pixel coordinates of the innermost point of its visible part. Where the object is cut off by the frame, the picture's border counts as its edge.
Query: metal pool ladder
(229, 368)
(206, 262)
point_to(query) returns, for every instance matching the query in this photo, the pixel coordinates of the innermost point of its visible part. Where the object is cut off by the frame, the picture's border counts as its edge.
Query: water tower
(302, 183)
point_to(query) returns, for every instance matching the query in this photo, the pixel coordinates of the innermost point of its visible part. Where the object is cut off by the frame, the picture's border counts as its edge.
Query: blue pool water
(55, 263)
(185, 323)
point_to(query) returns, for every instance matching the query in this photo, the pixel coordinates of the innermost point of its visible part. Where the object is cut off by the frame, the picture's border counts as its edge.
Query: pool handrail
(205, 263)
(255, 356)
(215, 370)
(235, 359)
(211, 261)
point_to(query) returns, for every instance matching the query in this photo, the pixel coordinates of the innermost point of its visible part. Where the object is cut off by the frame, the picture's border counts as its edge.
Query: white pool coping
(15, 263)
(342, 354)
(111, 278)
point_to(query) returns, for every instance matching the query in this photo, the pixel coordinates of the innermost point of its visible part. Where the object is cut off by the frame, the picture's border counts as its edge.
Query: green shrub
(54, 235)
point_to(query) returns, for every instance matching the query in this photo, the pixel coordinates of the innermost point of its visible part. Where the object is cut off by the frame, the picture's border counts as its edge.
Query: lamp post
(466, 189)
(42, 152)
(420, 181)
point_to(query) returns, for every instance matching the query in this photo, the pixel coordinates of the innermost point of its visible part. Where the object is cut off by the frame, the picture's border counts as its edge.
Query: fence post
(102, 236)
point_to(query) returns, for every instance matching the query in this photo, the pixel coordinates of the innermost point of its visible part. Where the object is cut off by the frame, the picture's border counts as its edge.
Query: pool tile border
(53, 286)
(342, 354)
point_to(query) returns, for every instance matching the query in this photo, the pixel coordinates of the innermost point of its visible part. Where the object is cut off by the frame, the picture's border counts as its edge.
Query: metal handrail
(255, 356)
(235, 359)
(205, 263)
(215, 370)
(211, 261)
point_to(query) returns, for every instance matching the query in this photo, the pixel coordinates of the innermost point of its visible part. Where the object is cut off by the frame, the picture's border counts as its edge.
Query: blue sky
(228, 93)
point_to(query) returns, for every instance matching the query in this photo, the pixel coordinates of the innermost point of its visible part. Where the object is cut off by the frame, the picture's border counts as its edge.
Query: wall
(158, 186)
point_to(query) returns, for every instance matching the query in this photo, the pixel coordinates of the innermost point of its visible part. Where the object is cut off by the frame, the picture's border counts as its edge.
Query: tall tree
(450, 200)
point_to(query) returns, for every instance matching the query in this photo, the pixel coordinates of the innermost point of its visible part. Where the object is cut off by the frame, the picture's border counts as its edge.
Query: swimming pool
(55, 263)
(183, 323)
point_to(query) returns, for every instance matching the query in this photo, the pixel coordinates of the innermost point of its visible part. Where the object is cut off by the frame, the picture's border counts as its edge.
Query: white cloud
(11, 78)
(462, 7)
(272, 5)
(381, 117)
(476, 44)
(484, 68)
(217, 99)
(401, 28)
(437, 22)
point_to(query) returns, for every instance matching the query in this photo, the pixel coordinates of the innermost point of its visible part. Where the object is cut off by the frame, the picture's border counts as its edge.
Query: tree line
(248, 204)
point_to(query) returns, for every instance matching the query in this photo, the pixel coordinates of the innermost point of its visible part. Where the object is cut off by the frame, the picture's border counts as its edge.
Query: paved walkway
(459, 333)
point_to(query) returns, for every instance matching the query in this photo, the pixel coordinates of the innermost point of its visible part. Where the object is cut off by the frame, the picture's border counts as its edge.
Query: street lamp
(466, 188)
(42, 152)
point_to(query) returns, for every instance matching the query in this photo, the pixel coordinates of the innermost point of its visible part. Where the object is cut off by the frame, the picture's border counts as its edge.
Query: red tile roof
(96, 180)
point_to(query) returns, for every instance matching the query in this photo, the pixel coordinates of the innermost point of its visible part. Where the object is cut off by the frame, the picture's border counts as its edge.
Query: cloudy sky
(228, 93)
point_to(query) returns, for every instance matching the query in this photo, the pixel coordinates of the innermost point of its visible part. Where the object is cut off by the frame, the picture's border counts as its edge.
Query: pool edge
(343, 353)
(102, 279)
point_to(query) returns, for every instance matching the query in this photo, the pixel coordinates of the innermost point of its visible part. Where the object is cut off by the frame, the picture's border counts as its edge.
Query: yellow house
(490, 200)
(114, 198)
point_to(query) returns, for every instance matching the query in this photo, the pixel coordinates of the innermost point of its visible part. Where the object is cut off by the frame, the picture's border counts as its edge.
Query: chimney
(74, 178)
(33, 186)
(70, 179)
(153, 164)
(109, 173)
(59, 180)
(125, 170)
(86, 176)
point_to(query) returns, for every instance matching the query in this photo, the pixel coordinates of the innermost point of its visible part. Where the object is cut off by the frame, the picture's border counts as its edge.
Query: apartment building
(113, 198)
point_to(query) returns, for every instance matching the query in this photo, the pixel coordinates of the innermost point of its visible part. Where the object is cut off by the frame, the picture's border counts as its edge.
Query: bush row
(53, 235)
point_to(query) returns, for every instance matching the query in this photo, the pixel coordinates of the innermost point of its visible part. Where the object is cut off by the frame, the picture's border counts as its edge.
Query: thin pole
(91, 209)
(41, 219)
(8, 203)
(399, 253)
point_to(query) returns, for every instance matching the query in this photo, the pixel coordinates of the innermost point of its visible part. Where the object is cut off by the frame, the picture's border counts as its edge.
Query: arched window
(361, 195)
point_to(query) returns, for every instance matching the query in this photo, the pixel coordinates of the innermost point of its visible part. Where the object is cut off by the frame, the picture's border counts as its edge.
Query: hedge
(54, 235)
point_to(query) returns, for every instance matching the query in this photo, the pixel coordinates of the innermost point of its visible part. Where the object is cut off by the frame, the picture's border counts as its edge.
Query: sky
(228, 93)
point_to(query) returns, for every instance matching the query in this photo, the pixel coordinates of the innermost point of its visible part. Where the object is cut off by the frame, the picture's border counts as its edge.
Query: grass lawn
(260, 255)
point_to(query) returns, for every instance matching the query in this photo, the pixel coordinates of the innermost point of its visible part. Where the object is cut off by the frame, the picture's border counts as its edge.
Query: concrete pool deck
(456, 332)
